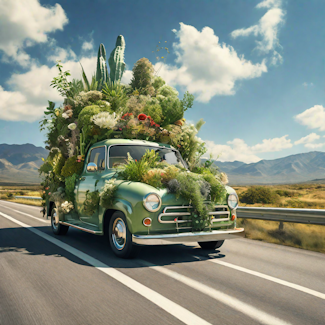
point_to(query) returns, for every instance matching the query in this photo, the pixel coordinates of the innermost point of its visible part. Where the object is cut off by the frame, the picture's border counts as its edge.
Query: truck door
(90, 181)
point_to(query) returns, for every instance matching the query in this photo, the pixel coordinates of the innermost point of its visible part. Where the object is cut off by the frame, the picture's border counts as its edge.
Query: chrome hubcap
(54, 224)
(119, 234)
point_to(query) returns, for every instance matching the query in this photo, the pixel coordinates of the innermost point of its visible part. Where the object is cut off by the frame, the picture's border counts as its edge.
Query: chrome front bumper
(201, 236)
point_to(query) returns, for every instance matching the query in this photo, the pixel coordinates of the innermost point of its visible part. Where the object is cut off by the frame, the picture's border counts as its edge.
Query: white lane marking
(233, 303)
(21, 204)
(169, 306)
(26, 214)
(271, 278)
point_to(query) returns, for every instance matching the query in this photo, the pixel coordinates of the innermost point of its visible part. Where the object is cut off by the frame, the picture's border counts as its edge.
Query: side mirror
(92, 167)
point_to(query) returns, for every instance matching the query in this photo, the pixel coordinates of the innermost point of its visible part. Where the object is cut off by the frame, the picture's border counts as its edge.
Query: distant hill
(20, 163)
(297, 168)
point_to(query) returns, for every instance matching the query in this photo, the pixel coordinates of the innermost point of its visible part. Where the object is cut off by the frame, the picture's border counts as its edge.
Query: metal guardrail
(28, 197)
(306, 216)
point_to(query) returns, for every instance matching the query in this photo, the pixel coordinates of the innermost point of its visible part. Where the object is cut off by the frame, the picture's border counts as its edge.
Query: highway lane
(60, 288)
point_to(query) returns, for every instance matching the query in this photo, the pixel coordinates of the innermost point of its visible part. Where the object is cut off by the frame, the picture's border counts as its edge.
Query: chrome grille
(182, 214)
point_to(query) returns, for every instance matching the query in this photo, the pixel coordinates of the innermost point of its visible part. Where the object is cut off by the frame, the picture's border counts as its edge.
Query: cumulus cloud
(267, 28)
(313, 118)
(275, 144)
(87, 46)
(308, 139)
(237, 149)
(314, 145)
(24, 23)
(127, 76)
(207, 67)
(62, 54)
(31, 90)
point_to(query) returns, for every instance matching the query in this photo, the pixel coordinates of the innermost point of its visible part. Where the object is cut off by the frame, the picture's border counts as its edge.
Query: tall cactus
(116, 60)
(101, 72)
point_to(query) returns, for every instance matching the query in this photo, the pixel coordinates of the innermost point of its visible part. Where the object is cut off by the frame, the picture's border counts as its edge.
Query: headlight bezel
(145, 201)
(230, 196)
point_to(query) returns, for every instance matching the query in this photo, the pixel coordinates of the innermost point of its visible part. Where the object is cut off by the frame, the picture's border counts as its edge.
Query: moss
(71, 167)
(86, 114)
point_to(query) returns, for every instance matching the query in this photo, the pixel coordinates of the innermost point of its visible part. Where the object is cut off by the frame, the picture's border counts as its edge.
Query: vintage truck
(141, 214)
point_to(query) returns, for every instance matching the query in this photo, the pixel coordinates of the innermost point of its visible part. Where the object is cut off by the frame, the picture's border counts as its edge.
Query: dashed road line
(232, 302)
(270, 278)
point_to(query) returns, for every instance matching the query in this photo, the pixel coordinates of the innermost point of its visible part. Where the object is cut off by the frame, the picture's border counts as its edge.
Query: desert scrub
(259, 194)
(311, 237)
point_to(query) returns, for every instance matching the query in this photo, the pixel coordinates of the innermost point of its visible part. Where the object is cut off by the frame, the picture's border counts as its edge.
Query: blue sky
(256, 68)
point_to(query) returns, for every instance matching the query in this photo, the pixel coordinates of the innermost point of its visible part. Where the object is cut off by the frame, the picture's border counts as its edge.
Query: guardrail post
(281, 225)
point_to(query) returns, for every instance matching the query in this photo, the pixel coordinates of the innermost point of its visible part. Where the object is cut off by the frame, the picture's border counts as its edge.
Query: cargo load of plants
(104, 108)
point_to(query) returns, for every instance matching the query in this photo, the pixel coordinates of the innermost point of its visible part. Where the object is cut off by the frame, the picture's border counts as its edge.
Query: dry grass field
(307, 196)
(9, 192)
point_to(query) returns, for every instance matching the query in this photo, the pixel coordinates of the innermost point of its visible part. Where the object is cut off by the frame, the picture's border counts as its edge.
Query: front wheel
(57, 228)
(119, 236)
(211, 244)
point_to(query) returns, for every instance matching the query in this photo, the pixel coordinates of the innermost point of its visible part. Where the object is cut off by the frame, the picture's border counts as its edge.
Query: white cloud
(207, 67)
(313, 118)
(24, 23)
(31, 90)
(126, 78)
(308, 138)
(306, 84)
(267, 28)
(87, 46)
(314, 145)
(62, 54)
(237, 149)
(275, 144)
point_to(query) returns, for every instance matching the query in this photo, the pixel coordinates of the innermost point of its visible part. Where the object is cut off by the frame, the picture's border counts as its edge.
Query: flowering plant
(105, 120)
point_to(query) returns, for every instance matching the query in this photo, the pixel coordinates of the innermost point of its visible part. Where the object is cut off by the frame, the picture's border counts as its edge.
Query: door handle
(82, 178)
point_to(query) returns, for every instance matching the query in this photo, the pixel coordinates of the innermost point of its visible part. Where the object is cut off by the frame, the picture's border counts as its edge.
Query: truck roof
(110, 142)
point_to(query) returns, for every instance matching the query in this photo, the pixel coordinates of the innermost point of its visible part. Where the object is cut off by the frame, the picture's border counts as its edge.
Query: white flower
(66, 207)
(105, 120)
(65, 115)
(72, 126)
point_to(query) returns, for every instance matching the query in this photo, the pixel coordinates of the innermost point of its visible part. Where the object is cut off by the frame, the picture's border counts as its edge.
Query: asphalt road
(76, 279)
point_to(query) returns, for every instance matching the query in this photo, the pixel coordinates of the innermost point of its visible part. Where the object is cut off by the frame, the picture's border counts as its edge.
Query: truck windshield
(118, 154)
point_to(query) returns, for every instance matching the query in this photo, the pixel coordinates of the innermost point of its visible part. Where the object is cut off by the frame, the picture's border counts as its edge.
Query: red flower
(157, 125)
(152, 123)
(149, 117)
(162, 174)
(46, 188)
(178, 145)
(135, 160)
(120, 129)
(129, 114)
(142, 117)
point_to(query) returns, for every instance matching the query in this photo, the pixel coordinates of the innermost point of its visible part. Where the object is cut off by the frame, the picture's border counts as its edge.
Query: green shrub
(91, 202)
(10, 195)
(70, 183)
(259, 194)
(71, 167)
(285, 193)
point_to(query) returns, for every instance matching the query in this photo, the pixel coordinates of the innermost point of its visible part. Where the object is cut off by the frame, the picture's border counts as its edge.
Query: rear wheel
(211, 244)
(119, 236)
(57, 228)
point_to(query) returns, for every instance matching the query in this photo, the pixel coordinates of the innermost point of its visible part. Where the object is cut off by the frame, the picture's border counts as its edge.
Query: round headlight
(152, 202)
(233, 201)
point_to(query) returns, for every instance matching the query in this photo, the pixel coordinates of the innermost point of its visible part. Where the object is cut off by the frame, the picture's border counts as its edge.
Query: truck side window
(97, 156)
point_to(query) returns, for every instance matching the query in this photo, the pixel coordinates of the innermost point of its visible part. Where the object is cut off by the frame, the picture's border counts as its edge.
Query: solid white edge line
(169, 306)
(26, 214)
(271, 278)
(22, 204)
(234, 303)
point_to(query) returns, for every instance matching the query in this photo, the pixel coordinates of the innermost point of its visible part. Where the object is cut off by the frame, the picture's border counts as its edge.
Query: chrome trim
(201, 236)
(139, 144)
(96, 232)
(144, 199)
(178, 214)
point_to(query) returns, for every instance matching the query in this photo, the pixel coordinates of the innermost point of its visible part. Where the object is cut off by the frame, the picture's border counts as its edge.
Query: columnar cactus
(101, 72)
(116, 60)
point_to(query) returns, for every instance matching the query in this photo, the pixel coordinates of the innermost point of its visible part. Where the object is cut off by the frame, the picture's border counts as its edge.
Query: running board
(95, 232)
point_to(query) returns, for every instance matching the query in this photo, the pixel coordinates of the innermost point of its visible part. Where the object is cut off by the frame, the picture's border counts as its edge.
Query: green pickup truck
(141, 214)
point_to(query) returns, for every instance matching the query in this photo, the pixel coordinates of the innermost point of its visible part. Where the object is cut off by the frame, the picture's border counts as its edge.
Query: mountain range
(20, 163)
